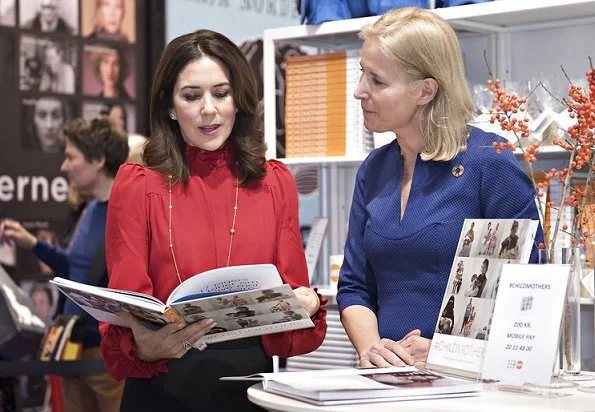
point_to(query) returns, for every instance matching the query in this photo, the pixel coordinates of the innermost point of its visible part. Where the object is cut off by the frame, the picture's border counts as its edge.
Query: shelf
(489, 17)
(546, 151)
(321, 160)
(510, 15)
(332, 293)
(495, 18)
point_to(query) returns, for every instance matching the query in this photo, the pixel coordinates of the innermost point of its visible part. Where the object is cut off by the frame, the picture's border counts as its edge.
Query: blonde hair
(99, 23)
(136, 143)
(425, 46)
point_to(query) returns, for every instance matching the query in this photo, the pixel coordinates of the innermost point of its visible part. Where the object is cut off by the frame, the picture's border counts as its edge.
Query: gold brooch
(457, 171)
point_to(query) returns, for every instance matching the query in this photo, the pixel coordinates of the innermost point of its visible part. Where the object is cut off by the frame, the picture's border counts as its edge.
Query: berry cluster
(581, 106)
(506, 113)
(508, 105)
(580, 141)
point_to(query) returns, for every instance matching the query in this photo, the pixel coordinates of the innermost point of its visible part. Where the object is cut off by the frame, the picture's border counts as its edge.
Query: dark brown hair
(96, 139)
(164, 152)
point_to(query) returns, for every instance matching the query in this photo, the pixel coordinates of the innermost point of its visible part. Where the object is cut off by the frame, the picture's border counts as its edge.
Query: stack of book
(335, 352)
(349, 386)
(322, 118)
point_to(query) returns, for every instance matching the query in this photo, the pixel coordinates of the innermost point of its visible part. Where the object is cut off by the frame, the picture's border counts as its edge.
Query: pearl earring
(172, 115)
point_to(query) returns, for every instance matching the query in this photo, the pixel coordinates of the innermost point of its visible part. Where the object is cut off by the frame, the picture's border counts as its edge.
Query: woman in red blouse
(205, 199)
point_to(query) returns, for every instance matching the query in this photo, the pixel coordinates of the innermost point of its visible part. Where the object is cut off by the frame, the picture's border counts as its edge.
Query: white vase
(571, 318)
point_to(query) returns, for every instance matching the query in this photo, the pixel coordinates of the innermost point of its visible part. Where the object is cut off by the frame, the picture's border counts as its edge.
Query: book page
(249, 313)
(229, 279)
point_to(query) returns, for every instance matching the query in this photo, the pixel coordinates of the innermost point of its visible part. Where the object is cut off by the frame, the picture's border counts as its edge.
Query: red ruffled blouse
(139, 259)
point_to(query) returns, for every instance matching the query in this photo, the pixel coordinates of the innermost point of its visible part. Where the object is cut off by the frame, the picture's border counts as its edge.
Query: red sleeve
(291, 263)
(126, 253)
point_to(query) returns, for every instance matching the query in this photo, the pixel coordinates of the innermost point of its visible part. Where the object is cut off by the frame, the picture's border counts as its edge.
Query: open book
(463, 323)
(245, 301)
(346, 386)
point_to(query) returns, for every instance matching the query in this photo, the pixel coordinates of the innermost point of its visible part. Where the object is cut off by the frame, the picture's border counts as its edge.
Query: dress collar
(203, 160)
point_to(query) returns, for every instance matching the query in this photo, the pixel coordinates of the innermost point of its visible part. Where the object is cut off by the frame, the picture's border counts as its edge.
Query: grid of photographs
(76, 58)
(485, 246)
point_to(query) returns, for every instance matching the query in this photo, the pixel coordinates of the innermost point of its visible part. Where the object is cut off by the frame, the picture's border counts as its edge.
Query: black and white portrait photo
(122, 115)
(7, 13)
(47, 65)
(50, 16)
(43, 119)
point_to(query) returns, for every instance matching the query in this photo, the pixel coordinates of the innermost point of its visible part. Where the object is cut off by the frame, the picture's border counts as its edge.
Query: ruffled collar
(203, 160)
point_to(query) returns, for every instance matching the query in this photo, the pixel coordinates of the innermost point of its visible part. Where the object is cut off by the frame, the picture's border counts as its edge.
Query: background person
(136, 143)
(207, 182)
(43, 302)
(411, 192)
(94, 151)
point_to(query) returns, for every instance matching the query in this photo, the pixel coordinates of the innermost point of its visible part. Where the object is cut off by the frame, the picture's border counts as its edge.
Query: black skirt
(192, 382)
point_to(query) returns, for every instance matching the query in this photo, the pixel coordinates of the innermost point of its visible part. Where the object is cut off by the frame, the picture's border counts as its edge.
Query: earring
(172, 115)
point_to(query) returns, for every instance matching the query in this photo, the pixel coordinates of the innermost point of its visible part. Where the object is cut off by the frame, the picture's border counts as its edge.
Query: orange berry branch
(579, 140)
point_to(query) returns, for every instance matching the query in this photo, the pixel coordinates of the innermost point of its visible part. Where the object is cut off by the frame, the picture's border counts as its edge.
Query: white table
(491, 399)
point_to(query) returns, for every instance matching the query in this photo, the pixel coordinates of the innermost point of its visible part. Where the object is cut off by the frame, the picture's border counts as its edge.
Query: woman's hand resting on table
(417, 346)
(171, 341)
(308, 298)
(411, 350)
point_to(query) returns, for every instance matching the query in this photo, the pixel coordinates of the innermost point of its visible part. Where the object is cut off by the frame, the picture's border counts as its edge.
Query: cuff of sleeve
(41, 247)
(127, 346)
(344, 301)
(117, 348)
(321, 307)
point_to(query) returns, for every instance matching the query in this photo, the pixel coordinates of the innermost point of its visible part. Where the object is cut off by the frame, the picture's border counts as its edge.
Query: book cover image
(108, 308)
(463, 324)
(411, 379)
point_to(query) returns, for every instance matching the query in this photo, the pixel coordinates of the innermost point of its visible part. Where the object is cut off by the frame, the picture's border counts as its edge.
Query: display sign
(314, 245)
(525, 329)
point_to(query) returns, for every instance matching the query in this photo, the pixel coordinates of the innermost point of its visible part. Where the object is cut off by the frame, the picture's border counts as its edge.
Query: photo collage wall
(61, 77)
(60, 59)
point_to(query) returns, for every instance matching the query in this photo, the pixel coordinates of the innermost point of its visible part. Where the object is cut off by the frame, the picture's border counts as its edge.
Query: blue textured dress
(399, 268)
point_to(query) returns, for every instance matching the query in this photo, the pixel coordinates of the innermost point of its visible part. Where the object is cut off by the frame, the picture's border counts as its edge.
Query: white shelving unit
(497, 20)
(514, 34)
(523, 38)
